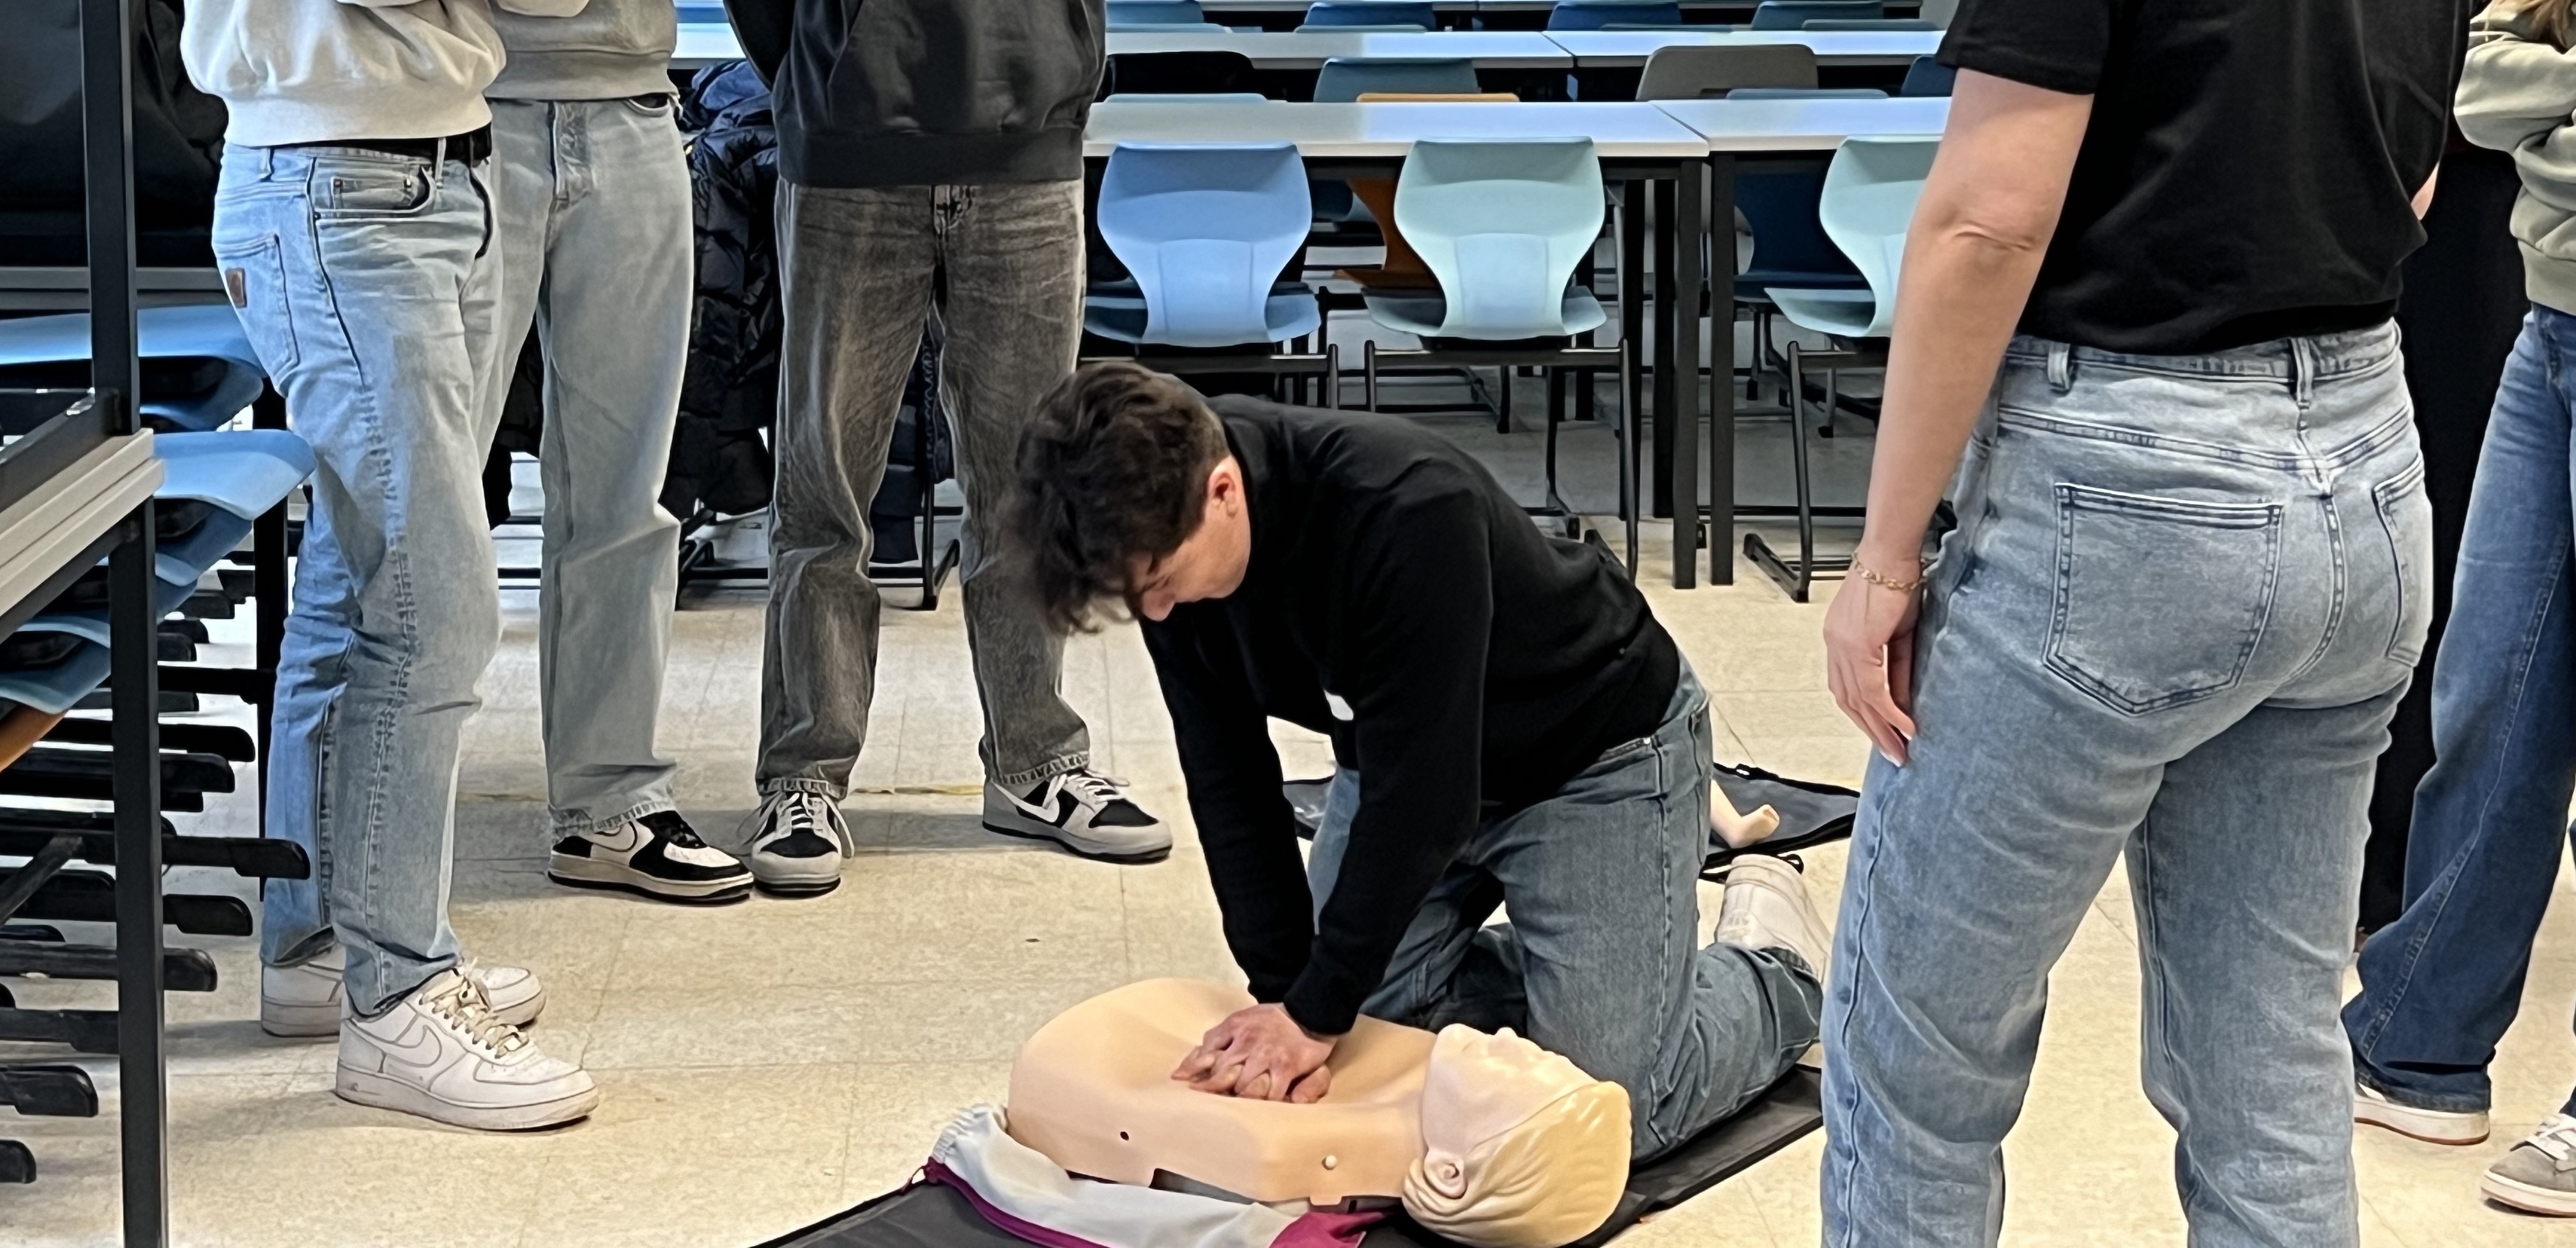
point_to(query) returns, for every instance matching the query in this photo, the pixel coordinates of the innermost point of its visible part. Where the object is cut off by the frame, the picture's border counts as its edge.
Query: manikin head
(1128, 493)
(1521, 1148)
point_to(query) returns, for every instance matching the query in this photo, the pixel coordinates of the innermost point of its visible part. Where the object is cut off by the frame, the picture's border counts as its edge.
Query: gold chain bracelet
(1884, 582)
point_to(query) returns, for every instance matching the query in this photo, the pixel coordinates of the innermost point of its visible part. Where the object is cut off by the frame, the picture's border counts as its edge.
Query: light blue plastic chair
(1795, 14)
(1867, 23)
(1600, 14)
(1205, 231)
(1502, 226)
(202, 332)
(1868, 203)
(1363, 30)
(1168, 28)
(1374, 13)
(1928, 77)
(1155, 13)
(1347, 78)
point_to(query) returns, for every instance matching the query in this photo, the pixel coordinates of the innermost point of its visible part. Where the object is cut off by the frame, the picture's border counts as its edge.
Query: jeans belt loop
(2061, 367)
(267, 162)
(2303, 371)
(438, 165)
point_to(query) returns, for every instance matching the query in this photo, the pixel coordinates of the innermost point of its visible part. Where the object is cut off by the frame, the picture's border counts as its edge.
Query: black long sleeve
(763, 28)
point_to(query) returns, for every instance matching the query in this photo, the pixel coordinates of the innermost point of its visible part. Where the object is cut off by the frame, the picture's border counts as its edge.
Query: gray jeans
(2182, 603)
(1601, 960)
(591, 200)
(863, 271)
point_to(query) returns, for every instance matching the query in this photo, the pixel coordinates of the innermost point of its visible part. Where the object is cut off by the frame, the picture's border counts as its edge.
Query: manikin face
(1210, 562)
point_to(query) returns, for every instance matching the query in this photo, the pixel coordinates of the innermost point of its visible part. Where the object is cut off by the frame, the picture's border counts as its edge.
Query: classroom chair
(1601, 14)
(1205, 230)
(1155, 13)
(198, 369)
(1867, 23)
(1168, 28)
(1374, 14)
(1928, 76)
(1795, 14)
(1344, 79)
(1178, 73)
(1691, 73)
(1180, 97)
(1868, 201)
(1806, 93)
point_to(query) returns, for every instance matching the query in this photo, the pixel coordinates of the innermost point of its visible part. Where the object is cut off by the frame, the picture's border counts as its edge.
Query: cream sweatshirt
(2518, 95)
(611, 50)
(319, 71)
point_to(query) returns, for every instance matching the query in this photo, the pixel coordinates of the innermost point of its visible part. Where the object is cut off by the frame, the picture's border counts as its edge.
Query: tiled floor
(770, 1063)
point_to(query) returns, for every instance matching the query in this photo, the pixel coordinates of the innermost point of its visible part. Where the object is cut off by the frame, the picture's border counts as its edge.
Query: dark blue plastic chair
(1205, 231)
(1795, 14)
(1867, 23)
(1155, 13)
(1928, 77)
(227, 379)
(1600, 14)
(1376, 13)
(1346, 78)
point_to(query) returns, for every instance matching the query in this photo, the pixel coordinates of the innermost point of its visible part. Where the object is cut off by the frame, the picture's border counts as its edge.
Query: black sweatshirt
(1464, 663)
(873, 93)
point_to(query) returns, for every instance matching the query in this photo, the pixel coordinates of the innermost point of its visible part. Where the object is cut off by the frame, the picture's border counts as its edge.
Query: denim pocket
(2406, 516)
(2159, 601)
(254, 273)
(366, 190)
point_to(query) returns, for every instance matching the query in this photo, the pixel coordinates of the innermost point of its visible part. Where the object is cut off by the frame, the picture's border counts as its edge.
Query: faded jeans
(592, 198)
(2441, 984)
(1601, 960)
(366, 283)
(863, 271)
(2183, 600)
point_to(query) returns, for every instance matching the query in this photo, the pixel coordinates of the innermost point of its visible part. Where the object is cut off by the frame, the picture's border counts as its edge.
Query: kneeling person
(1512, 724)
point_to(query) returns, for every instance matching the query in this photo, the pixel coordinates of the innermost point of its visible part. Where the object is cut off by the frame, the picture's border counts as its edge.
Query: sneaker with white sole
(1765, 906)
(2433, 1126)
(1082, 810)
(306, 1001)
(798, 850)
(442, 1054)
(658, 856)
(2539, 1174)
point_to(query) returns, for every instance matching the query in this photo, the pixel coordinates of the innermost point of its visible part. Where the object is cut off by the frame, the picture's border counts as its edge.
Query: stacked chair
(1391, 16)
(1613, 14)
(1795, 14)
(219, 490)
(1867, 204)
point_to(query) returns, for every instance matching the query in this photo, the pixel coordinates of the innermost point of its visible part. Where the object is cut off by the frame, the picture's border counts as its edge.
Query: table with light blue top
(1628, 49)
(1736, 131)
(704, 43)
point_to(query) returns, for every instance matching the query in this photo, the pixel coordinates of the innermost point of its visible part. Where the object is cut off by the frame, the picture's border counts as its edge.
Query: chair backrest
(1939, 12)
(1167, 28)
(1436, 97)
(1870, 192)
(1809, 93)
(1312, 29)
(1182, 97)
(1928, 77)
(1347, 78)
(1502, 226)
(1415, 13)
(1780, 203)
(1597, 14)
(1178, 73)
(1795, 14)
(1155, 12)
(1205, 229)
(1867, 23)
(1688, 73)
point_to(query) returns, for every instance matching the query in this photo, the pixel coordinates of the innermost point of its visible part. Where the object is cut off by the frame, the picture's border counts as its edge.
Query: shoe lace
(792, 812)
(1092, 787)
(2556, 1137)
(463, 1005)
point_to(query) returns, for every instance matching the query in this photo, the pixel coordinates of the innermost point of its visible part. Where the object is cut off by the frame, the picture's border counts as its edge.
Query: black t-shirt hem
(2019, 66)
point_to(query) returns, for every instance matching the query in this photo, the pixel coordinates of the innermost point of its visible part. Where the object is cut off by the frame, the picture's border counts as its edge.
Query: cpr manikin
(1487, 1139)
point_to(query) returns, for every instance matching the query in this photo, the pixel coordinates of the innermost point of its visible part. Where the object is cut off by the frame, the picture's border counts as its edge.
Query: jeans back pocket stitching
(2228, 516)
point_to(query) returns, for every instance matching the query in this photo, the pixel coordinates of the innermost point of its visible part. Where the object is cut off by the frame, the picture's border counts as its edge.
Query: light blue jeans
(2182, 602)
(2441, 984)
(366, 283)
(1601, 961)
(592, 203)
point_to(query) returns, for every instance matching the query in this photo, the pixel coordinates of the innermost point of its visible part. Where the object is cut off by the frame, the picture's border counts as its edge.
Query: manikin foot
(1739, 831)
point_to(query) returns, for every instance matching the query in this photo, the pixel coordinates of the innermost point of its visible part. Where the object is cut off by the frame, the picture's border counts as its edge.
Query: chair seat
(1291, 313)
(1422, 314)
(57, 689)
(196, 331)
(245, 472)
(1123, 292)
(1844, 312)
(1754, 285)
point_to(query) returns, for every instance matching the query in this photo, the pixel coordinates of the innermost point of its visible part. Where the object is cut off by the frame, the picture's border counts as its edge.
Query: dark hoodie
(927, 92)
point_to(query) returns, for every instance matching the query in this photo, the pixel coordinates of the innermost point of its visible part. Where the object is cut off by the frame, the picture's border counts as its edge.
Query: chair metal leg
(1833, 400)
(1629, 427)
(1503, 378)
(1368, 369)
(1333, 377)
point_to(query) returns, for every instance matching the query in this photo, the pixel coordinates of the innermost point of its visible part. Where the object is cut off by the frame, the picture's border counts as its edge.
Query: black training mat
(932, 1216)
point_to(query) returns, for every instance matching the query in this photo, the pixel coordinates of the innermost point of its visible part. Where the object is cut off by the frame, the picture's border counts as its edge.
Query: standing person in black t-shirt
(1513, 726)
(2188, 588)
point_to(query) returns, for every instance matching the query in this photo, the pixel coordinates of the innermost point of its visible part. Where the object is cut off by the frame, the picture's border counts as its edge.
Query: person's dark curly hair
(1115, 466)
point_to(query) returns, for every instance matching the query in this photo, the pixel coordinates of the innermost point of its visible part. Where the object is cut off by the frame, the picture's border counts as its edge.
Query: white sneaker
(441, 1053)
(798, 850)
(1082, 810)
(2433, 1126)
(2539, 1174)
(1765, 906)
(657, 856)
(306, 1002)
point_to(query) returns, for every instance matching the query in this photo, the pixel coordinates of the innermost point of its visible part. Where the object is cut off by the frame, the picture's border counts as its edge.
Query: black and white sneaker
(800, 845)
(1082, 810)
(659, 856)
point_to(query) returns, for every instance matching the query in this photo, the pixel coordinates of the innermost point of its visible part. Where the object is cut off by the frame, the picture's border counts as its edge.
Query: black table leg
(1689, 228)
(1665, 401)
(1717, 227)
(1632, 331)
